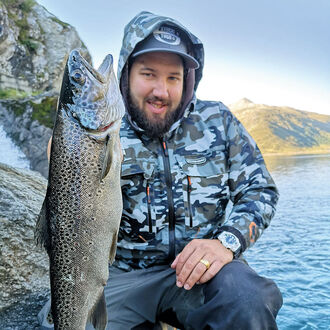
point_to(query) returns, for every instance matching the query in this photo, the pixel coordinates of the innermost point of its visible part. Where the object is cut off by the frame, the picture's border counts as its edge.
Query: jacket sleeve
(252, 189)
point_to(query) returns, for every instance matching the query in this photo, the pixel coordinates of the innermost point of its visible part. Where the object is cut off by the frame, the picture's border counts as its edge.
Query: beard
(153, 129)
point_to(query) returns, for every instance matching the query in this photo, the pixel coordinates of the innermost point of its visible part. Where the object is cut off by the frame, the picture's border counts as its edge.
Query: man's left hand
(189, 268)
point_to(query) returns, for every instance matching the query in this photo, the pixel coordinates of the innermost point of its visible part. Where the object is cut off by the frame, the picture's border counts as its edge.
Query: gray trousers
(236, 298)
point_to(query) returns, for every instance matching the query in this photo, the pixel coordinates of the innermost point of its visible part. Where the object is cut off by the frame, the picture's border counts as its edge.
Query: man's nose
(161, 89)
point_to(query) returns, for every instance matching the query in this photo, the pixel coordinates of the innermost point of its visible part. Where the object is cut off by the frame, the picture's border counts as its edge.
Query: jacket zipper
(189, 204)
(171, 213)
(149, 208)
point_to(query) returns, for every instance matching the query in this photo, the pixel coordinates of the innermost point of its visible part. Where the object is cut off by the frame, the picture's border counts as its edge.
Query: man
(179, 252)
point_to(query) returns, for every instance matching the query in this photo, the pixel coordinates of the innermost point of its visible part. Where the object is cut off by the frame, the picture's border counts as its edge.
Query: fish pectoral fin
(107, 160)
(41, 235)
(98, 316)
(113, 247)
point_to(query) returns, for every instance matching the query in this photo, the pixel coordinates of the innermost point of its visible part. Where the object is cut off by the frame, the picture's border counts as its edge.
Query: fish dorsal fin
(107, 160)
(106, 67)
(98, 315)
(41, 234)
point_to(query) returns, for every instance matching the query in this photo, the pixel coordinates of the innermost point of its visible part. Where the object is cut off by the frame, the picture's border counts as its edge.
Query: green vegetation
(25, 7)
(30, 44)
(63, 24)
(285, 130)
(45, 111)
(11, 93)
(18, 107)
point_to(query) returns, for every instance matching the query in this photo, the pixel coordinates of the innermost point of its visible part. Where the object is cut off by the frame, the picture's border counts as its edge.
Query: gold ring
(205, 262)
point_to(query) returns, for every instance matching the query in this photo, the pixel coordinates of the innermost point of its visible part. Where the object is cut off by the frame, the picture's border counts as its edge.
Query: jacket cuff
(234, 231)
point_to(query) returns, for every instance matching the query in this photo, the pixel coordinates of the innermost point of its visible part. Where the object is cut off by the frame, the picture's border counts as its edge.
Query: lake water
(294, 250)
(10, 153)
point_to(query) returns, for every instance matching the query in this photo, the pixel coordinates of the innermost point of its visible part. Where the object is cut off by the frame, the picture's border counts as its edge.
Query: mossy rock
(12, 93)
(25, 7)
(45, 111)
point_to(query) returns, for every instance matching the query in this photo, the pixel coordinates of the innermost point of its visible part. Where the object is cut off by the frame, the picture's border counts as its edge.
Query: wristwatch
(231, 242)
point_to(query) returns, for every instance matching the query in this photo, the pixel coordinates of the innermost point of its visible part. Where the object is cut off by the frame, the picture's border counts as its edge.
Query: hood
(141, 26)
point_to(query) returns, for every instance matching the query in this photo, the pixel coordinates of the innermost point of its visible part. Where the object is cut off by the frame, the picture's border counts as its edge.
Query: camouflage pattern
(213, 160)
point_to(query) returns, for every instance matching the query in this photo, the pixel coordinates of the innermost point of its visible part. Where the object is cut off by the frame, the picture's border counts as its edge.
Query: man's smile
(156, 107)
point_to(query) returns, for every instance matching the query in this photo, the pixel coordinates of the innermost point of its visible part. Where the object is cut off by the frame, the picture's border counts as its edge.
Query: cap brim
(190, 62)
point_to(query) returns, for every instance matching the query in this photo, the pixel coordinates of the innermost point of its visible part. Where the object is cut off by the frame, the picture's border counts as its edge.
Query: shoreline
(297, 153)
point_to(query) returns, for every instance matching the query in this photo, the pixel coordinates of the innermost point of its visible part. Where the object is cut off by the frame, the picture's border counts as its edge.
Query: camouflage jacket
(177, 188)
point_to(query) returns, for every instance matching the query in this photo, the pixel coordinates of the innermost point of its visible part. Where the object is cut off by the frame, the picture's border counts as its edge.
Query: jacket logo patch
(196, 160)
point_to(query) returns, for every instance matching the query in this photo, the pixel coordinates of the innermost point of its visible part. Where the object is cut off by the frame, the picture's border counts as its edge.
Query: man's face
(155, 91)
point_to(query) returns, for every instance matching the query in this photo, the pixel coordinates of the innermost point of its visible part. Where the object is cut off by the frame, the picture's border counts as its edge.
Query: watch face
(230, 239)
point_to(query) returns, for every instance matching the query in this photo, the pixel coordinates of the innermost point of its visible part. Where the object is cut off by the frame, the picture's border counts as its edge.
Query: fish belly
(84, 214)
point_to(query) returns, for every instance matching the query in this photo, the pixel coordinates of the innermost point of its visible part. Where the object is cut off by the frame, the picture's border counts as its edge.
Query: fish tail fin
(41, 235)
(113, 247)
(98, 316)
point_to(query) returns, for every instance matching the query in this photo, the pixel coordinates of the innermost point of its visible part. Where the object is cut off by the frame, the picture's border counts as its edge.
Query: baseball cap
(166, 39)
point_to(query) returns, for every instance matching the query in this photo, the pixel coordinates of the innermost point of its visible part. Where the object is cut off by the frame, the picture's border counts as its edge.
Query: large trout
(79, 220)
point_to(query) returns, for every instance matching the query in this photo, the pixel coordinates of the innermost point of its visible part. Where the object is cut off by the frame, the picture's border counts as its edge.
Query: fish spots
(50, 318)
(80, 219)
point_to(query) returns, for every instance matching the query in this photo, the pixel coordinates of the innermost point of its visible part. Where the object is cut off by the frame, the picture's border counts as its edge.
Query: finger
(211, 272)
(184, 256)
(196, 275)
(190, 265)
(174, 263)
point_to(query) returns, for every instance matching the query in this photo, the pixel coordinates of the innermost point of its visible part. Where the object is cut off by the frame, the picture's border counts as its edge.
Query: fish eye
(78, 77)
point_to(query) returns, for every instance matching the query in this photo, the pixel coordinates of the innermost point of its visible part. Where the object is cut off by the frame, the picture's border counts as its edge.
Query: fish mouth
(104, 128)
(100, 74)
(102, 132)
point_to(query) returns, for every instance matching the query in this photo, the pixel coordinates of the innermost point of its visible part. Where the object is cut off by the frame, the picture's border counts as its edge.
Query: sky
(271, 52)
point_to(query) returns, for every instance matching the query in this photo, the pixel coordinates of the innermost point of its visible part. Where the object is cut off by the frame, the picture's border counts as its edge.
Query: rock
(18, 118)
(23, 267)
(34, 45)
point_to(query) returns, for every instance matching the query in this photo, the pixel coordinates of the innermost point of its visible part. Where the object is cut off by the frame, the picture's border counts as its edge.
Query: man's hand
(189, 269)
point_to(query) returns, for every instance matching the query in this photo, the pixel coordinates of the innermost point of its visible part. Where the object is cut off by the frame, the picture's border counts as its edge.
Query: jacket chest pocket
(138, 219)
(205, 189)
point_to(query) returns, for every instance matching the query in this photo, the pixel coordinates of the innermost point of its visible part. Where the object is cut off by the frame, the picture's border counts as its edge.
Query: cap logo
(167, 35)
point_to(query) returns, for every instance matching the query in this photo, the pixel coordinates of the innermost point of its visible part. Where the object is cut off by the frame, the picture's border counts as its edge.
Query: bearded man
(179, 253)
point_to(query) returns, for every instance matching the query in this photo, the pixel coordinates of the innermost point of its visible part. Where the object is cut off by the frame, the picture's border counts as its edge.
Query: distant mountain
(283, 129)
